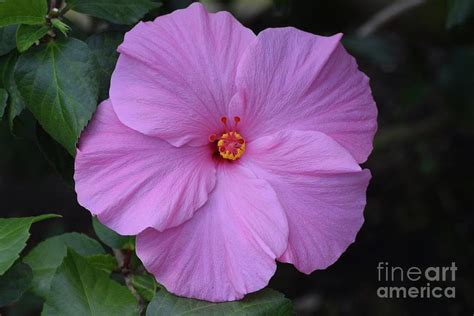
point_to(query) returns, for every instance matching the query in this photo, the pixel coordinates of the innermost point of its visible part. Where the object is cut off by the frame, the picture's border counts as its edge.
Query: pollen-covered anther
(231, 145)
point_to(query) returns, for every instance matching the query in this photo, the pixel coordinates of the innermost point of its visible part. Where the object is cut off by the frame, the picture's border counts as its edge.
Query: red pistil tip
(212, 138)
(224, 119)
(236, 119)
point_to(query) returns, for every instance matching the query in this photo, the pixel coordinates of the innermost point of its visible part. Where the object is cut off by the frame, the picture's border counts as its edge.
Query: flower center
(230, 145)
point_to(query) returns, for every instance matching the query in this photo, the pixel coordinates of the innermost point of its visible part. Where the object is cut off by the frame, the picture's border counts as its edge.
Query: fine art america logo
(415, 282)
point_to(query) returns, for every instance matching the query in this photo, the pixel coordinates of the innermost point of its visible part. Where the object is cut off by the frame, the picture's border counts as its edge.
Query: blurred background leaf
(459, 11)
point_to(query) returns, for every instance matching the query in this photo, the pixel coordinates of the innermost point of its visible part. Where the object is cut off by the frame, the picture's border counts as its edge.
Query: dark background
(420, 200)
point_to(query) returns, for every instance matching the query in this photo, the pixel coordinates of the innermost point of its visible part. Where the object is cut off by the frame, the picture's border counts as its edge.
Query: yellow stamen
(231, 145)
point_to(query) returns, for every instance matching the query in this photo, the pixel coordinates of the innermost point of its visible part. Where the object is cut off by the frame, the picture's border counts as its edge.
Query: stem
(385, 15)
(64, 10)
(123, 259)
(141, 303)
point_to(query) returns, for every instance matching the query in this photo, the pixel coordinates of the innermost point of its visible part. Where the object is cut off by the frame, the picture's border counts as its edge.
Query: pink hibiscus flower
(224, 151)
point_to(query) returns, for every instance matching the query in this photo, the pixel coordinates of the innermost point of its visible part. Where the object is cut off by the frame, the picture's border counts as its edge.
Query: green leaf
(3, 101)
(58, 83)
(7, 39)
(458, 12)
(27, 35)
(14, 233)
(14, 283)
(145, 285)
(115, 11)
(104, 47)
(106, 263)
(80, 289)
(111, 238)
(15, 104)
(265, 302)
(23, 12)
(47, 256)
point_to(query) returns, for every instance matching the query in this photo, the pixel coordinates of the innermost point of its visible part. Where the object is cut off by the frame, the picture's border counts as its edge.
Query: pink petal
(132, 181)
(321, 188)
(289, 79)
(175, 76)
(228, 248)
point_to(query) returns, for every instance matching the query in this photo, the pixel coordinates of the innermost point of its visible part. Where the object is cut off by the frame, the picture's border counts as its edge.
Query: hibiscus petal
(321, 188)
(292, 79)
(132, 181)
(175, 76)
(228, 248)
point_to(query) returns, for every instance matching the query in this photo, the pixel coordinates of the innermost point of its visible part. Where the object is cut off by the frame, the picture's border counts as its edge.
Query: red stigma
(212, 138)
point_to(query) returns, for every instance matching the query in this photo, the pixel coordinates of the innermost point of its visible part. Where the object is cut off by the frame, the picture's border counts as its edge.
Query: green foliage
(145, 285)
(14, 233)
(458, 12)
(104, 47)
(7, 39)
(106, 263)
(111, 238)
(15, 104)
(115, 11)
(22, 12)
(58, 83)
(48, 255)
(27, 35)
(266, 302)
(14, 283)
(79, 289)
